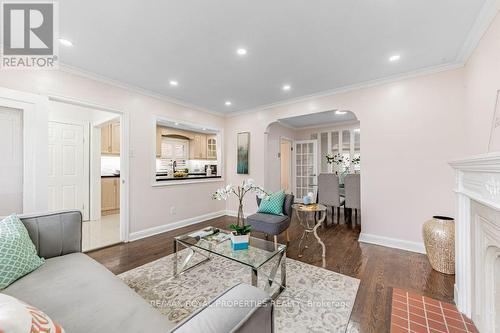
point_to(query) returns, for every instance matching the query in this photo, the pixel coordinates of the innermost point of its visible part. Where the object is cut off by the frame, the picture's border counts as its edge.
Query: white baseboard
(234, 213)
(175, 225)
(392, 242)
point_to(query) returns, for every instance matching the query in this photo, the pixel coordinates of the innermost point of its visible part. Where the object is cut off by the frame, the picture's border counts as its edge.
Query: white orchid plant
(240, 192)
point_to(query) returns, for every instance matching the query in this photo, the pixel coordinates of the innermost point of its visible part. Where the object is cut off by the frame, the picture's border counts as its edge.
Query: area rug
(315, 300)
(416, 313)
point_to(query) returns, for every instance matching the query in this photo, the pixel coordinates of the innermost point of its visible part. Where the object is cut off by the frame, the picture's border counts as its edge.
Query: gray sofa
(83, 296)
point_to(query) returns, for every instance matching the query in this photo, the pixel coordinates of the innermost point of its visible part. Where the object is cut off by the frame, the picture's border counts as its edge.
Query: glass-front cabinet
(344, 143)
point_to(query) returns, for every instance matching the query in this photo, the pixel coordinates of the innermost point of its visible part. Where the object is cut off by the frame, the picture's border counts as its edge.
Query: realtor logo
(29, 31)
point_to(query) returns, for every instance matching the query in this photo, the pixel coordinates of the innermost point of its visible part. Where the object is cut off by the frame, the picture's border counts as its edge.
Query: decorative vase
(240, 220)
(240, 242)
(439, 240)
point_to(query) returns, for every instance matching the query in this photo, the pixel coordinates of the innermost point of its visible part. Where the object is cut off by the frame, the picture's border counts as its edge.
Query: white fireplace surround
(477, 239)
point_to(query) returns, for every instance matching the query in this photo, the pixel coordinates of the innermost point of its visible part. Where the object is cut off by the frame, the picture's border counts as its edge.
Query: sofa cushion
(19, 317)
(268, 223)
(83, 296)
(17, 252)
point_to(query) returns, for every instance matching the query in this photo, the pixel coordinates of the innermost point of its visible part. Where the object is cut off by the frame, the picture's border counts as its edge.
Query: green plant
(241, 230)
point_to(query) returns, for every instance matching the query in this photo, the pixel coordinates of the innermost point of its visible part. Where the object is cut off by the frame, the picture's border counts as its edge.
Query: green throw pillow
(273, 204)
(18, 255)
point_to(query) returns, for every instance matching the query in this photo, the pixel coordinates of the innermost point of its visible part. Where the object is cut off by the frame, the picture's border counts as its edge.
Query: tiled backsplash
(192, 165)
(109, 164)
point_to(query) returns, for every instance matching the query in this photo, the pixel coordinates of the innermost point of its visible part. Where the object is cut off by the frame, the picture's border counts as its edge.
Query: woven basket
(439, 239)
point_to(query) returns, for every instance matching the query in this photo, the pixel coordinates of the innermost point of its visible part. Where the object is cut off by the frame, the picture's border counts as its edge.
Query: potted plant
(241, 232)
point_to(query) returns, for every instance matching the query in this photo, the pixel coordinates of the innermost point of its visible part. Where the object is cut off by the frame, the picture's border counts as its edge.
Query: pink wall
(410, 128)
(149, 206)
(482, 81)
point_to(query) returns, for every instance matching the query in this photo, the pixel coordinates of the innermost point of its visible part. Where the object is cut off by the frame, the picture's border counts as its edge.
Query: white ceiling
(314, 46)
(319, 119)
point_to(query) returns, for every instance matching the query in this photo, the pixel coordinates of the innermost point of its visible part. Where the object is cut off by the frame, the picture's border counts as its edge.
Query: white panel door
(66, 167)
(11, 161)
(306, 168)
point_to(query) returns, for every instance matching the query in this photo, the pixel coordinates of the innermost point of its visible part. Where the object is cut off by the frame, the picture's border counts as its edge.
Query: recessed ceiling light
(286, 87)
(241, 51)
(176, 124)
(228, 103)
(65, 42)
(395, 57)
(174, 83)
(203, 129)
(340, 112)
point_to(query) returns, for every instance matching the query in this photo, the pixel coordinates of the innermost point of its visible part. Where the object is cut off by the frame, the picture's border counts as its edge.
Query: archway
(327, 142)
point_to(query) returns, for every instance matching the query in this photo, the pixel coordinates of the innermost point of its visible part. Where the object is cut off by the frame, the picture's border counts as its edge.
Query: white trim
(481, 24)
(234, 213)
(103, 79)
(353, 87)
(82, 103)
(124, 154)
(175, 225)
(35, 146)
(392, 242)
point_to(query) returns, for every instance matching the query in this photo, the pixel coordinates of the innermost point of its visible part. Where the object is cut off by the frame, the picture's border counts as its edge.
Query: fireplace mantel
(477, 181)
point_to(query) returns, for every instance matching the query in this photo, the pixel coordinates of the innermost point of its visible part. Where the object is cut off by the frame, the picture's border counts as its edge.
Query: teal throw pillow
(273, 204)
(18, 255)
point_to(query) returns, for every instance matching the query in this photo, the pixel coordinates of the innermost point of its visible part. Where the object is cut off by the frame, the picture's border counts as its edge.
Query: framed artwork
(494, 145)
(243, 144)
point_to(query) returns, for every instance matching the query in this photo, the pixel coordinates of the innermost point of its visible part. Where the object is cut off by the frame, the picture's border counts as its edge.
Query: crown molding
(118, 84)
(481, 24)
(489, 162)
(353, 87)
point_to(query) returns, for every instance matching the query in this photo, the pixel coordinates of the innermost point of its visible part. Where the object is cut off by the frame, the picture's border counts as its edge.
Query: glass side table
(305, 214)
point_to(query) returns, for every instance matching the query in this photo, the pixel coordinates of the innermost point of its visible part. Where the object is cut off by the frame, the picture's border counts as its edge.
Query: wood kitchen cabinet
(110, 195)
(198, 148)
(110, 139)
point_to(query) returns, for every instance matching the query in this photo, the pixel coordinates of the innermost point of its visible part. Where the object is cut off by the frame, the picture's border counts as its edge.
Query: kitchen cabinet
(211, 147)
(198, 149)
(201, 146)
(110, 139)
(173, 133)
(110, 195)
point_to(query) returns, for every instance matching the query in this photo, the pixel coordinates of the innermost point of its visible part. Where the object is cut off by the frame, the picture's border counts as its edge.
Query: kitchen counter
(110, 176)
(188, 177)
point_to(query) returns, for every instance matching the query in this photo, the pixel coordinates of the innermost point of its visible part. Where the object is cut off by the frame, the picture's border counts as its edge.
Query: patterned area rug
(416, 313)
(315, 300)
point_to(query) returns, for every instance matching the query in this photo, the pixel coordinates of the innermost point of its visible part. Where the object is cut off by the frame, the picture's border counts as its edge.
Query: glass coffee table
(212, 241)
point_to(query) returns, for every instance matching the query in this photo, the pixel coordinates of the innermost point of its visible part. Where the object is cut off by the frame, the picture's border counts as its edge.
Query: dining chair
(328, 193)
(352, 186)
(271, 224)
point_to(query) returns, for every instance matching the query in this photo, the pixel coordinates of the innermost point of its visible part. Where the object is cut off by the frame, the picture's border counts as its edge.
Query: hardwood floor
(379, 268)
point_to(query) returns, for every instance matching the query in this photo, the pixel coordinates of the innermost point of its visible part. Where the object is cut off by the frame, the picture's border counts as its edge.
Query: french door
(306, 168)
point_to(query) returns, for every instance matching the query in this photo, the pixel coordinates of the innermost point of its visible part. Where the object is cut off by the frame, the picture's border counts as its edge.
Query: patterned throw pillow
(18, 255)
(273, 204)
(19, 317)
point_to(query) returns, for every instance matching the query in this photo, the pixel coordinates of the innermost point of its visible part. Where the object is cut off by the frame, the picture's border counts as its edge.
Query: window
(173, 150)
